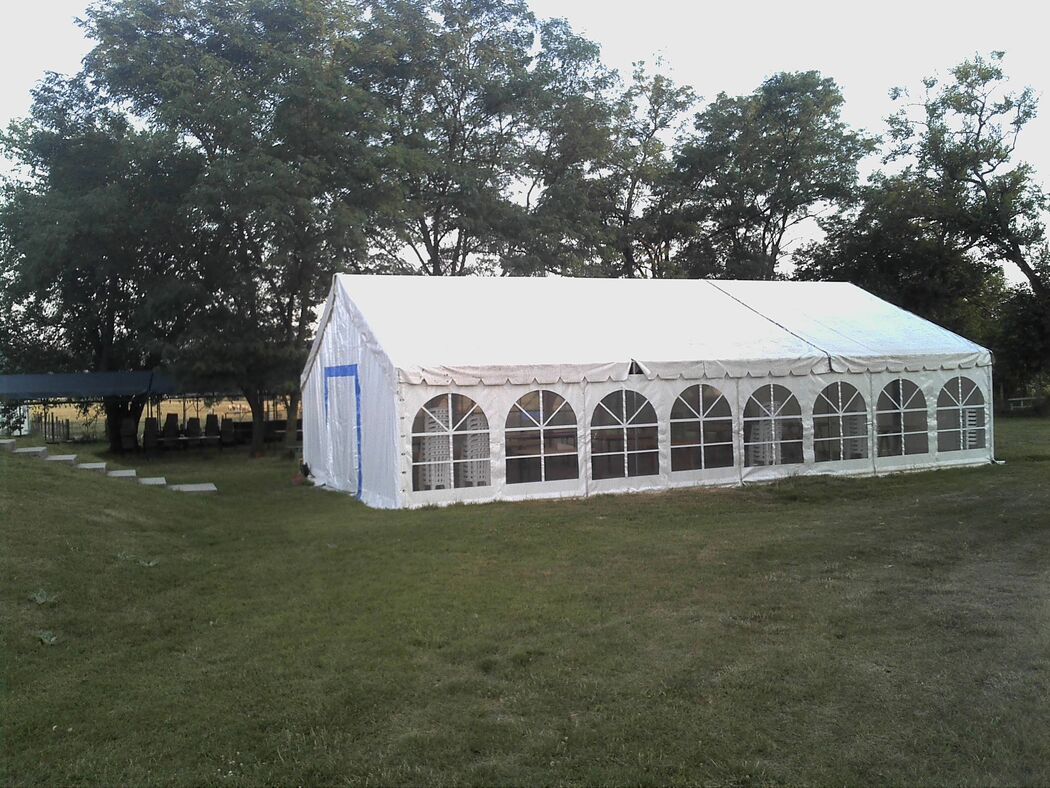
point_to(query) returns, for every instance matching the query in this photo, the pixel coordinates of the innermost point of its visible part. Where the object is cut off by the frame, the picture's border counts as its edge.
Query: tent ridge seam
(771, 320)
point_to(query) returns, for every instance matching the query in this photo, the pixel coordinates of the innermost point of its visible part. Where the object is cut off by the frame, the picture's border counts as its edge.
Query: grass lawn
(891, 630)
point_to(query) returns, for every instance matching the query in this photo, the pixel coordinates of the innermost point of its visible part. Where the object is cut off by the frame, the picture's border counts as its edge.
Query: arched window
(900, 420)
(960, 416)
(541, 439)
(772, 427)
(624, 439)
(701, 430)
(450, 445)
(840, 424)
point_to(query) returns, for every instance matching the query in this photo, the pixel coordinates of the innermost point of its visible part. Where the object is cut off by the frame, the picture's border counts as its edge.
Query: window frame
(450, 431)
(542, 427)
(776, 418)
(839, 414)
(961, 408)
(902, 408)
(624, 427)
(703, 419)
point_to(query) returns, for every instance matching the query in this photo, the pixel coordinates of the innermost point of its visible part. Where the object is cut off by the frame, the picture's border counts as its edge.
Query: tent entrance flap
(342, 406)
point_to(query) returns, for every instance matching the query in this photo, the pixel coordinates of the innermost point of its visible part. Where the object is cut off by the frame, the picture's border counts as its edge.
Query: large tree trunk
(257, 404)
(291, 430)
(117, 409)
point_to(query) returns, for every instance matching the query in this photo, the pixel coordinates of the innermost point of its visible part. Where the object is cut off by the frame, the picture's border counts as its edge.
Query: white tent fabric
(387, 345)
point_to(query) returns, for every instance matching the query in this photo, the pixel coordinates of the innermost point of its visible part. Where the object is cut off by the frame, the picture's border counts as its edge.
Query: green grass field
(891, 630)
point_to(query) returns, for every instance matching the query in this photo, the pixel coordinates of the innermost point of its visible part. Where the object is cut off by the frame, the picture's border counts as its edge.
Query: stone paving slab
(33, 451)
(207, 487)
(123, 474)
(7, 444)
(61, 458)
(153, 481)
(92, 466)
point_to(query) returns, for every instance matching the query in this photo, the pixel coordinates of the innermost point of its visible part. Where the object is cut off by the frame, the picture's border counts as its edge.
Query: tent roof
(497, 329)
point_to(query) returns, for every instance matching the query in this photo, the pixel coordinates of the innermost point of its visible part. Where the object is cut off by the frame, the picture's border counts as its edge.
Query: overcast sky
(724, 46)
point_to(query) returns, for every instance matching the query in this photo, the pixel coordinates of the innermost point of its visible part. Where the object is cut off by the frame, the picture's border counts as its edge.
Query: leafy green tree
(290, 176)
(957, 143)
(761, 164)
(602, 216)
(639, 170)
(487, 108)
(93, 256)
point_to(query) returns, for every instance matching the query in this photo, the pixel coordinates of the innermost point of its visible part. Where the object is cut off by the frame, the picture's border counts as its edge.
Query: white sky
(713, 46)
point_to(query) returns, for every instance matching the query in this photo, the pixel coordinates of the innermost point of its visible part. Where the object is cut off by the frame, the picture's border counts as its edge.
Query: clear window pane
(915, 421)
(948, 440)
(791, 452)
(432, 417)
(607, 467)
(472, 473)
(855, 448)
(604, 441)
(523, 470)
(824, 427)
(948, 419)
(642, 438)
(789, 429)
(916, 443)
(827, 450)
(562, 466)
(716, 406)
(685, 433)
(609, 411)
(718, 456)
(432, 477)
(890, 445)
(522, 443)
(559, 441)
(687, 406)
(519, 418)
(430, 448)
(645, 464)
(686, 459)
(718, 431)
(470, 447)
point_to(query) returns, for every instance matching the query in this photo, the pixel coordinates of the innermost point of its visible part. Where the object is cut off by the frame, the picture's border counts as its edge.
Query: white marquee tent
(424, 390)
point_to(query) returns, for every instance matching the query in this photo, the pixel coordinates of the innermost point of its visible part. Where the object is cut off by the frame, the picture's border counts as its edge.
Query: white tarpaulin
(392, 350)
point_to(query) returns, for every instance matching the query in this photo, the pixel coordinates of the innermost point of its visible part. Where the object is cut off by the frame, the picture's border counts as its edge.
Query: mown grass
(891, 630)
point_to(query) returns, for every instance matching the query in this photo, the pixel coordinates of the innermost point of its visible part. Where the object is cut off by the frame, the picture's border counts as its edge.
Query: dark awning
(85, 385)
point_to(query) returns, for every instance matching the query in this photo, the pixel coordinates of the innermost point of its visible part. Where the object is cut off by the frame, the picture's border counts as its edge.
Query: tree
(761, 164)
(958, 145)
(602, 215)
(486, 109)
(93, 256)
(290, 176)
(639, 170)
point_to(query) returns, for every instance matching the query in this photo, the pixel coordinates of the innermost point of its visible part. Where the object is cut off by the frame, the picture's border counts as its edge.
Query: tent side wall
(918, 435)
(350, 418)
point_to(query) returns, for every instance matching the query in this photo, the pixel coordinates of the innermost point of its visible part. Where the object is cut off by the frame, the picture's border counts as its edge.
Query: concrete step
(7, 444)
(32, 451)
(207, 487)
(92, 466)
(124, 474)
(70, 458)
(153, 481)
